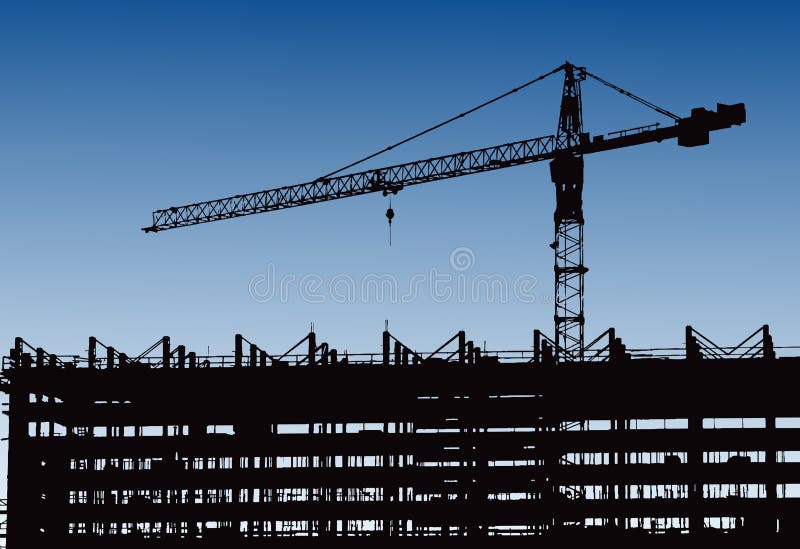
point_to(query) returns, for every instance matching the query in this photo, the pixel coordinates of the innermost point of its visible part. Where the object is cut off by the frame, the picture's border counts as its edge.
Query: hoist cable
(448, 121)
(635, 97)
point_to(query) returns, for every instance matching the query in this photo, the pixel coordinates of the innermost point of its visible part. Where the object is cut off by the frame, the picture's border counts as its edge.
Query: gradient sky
(109, 110)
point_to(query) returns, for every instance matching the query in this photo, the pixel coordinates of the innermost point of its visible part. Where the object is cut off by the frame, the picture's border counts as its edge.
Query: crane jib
(690, 131)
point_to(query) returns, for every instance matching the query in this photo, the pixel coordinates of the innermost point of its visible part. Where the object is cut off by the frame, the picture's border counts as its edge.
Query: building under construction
(168, 448)
(565, 441)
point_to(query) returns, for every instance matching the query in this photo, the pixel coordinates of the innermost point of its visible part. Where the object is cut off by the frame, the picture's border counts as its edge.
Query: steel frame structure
(322, 449)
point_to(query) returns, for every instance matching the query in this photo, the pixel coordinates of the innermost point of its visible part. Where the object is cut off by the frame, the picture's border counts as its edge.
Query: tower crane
(564, 150)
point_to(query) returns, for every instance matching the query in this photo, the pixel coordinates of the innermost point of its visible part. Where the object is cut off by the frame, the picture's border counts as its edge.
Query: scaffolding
(312, 446)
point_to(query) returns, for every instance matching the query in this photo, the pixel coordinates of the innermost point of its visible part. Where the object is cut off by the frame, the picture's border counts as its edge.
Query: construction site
(563, 440)
(313, 446)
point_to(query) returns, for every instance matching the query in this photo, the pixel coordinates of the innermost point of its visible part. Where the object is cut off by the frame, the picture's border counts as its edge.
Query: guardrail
(606, 347)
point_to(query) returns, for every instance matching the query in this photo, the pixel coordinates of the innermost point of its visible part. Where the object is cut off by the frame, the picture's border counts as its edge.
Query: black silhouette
(318, 448)
(328, 449)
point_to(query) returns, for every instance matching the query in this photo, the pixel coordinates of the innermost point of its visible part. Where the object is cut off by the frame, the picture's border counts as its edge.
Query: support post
(769, 347)
(771, 454)
(166, 355)
(692, 346)
(386, 347)
(20, 517)
(18, 347)
(773, 519)
(92, 352)
(694, 460)
(324, 355)
(611, 342)
(312, 348)
(237, 351)
(548, 358)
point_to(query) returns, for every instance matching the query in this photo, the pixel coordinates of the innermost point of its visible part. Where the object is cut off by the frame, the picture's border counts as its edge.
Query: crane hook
(389, 217)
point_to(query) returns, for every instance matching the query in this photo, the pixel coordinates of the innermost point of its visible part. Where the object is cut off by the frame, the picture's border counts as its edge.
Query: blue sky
(112, 109)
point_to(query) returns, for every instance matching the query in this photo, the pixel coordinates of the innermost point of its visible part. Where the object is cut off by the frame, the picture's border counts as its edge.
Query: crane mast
(566, 172)
(565, 151)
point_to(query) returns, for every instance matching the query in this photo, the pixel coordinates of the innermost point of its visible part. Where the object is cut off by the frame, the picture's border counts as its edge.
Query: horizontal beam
(425, 446)
(443, 512)
(440, 479)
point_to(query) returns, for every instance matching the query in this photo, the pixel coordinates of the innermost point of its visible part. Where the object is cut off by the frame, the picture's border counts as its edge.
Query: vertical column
(771, 507)
(694, 455)
(237, 351)
(694, 463)
(166, 354)
(20, 530)
(771, 450)
(386, 347)
(92, 352)
(39, 367)
(312, 348)
(253, 355)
